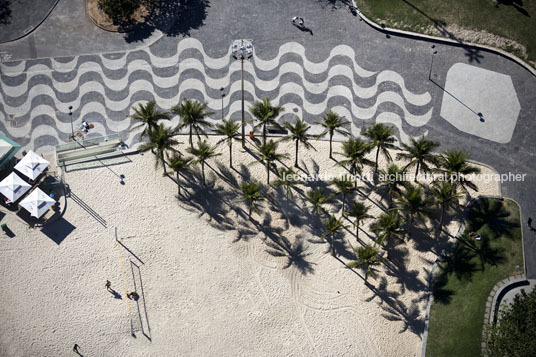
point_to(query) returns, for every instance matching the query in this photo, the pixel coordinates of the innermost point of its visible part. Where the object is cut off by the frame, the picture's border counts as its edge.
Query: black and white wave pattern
(35, 95)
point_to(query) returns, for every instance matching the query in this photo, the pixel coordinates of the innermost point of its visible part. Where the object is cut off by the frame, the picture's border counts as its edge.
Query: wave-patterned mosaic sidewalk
(35, 95)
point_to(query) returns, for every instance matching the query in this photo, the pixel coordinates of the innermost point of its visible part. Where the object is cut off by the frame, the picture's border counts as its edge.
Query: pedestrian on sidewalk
(108, 284)
(75, 348)
(294, 19)
(530, 222)
(301, 22)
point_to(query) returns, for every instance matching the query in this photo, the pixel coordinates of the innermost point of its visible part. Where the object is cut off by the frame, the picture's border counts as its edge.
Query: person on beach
(108, 284)
(75, 348)
(301, 22)
(294, 19)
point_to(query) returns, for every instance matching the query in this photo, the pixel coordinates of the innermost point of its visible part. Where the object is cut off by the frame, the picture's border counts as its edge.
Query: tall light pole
(222, 95)
(71, 119)
(242, 50)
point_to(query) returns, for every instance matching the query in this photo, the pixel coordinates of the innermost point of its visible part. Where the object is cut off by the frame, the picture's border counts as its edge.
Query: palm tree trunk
(267, 173)
(333, 244)
(203, 171)
(231, 155)
(178, 183)
(376, 165)
(441, 220)
(366, 275)
(264, 134)
(343, 200)
(250, 208)
(357, 231)
(417, 171)
(296, 162)
(163, 162)
(330, 150)
(191, 141)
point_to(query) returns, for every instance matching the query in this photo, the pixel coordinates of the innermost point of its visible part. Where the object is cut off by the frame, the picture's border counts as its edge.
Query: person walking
(529, 222)
(75, 348)
(108, 284)
(301, 22)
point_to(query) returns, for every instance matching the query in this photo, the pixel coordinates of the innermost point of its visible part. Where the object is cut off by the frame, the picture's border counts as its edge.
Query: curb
(491, 308)
(434, 267)
(384, 29)
(36, 26)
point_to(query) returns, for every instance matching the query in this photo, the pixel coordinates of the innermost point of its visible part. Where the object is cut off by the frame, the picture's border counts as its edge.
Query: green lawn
(509, 19)
(465, 280)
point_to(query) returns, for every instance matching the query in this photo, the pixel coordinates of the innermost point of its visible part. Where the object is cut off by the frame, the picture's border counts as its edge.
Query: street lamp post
(71, 119)
(242, 50)
(222, 95)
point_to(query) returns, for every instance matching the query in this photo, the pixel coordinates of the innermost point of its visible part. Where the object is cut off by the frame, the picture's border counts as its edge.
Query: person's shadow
(114, 293)
(305, 29)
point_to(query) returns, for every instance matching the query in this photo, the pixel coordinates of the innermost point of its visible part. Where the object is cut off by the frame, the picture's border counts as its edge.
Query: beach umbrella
(13, 187)
(32, 165)
(37, 203)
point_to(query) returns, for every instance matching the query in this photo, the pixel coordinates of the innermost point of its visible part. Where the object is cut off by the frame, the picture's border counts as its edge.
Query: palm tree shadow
(211, 201)
(295, 254)
(396, 310)
(397, 269)
(492, 214)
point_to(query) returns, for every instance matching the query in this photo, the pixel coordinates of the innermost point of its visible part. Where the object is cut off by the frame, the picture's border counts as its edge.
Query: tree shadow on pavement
(173, 18)
(5, 12)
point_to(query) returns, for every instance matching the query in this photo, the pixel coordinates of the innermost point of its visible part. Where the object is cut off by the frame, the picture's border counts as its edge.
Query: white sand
(206, 291)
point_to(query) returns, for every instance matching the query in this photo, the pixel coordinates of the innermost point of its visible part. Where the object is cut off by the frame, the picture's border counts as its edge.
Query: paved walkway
(340, 62)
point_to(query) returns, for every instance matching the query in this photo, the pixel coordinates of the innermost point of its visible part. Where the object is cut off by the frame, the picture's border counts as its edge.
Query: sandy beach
(211, 282)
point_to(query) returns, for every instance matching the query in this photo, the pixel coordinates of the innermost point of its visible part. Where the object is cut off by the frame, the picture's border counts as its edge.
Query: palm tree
(419, 154)
(344, 186)
(229, 129)
(414, 202)
(203, 152)
(382, 137)
(318, 197)
(193, 114)
(160, 141)
(266, 114)
(148, 117)
(388, 226)
(355, 150)
(447, 196)
(333, 123)
(287, 180)
(268, 154)
(359, 212)
(298, 133)
(180, 165)
(453, 163)
(252, 193)
(332, 226)
(393, 179)
(367, 257)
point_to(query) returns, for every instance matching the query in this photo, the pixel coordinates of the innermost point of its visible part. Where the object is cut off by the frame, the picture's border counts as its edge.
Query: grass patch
(465, 279)
(511, 19)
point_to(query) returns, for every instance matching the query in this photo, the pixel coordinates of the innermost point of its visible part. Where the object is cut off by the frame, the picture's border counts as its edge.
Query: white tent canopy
(37, 203)
(13, 187)
(32, 165)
